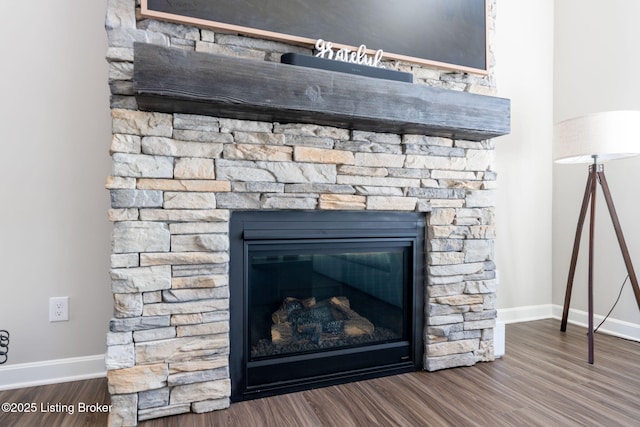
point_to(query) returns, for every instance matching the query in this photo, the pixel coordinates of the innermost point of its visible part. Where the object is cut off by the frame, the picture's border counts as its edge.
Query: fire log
(356, 324)
(282, 333)
(279, 317)
(282, 314)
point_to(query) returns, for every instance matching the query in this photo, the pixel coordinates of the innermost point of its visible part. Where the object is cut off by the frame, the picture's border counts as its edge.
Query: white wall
(54, 232)
(524, 73)
(596, 69)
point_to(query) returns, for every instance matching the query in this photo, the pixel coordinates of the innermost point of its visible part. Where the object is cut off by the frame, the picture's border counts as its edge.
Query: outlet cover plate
(58, 309)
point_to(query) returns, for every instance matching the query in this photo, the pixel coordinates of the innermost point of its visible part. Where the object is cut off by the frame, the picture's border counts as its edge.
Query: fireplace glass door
(319, 299)
(326, 295)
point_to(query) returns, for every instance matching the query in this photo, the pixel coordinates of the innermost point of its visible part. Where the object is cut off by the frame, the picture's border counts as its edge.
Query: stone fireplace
(182, 167)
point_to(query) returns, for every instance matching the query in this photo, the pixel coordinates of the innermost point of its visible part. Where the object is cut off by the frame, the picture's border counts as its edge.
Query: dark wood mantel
(175, 80)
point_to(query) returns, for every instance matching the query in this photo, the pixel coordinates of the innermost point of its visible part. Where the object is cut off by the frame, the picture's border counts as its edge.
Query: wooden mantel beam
(175, 80)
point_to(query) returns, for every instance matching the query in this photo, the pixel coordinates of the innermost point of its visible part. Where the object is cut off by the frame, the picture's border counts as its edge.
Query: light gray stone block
(379, 160)
(239, 200)
(136, 199)
(210, 390)
(456, 269)
(203, 329)
(138, 323)
(480, 160)
(194, 168)
(125, 260)
(391, 203)
(142, 166)
(452, 347)
(292, 173)
(232, 125)
(480, 199)
(187, 200)
(140, 279)
(453, 361)
(137, 378)
(478, 250)
(200, 242)
(437, 193)
(293, 201)
(154, 334)
(198, 376)
(210, 405)
(127, 305)
(433, 150)
(445, 320)
(153, 398)
(311, 130)
(176, 31)
(481, 315)
(120, 356)
(368, 147)
(164, 411)
(141, 123)
(319, 188)
(242, 171)
(119, 338)
(480, 287)
(435, 162)
(185, 307)
(382, 138)
(162, 146)
(123, 410)
(184, 295)
(195, 122)
(182, 349)
(125, 144)
(259, 138)
(377, 181)
(274, 153)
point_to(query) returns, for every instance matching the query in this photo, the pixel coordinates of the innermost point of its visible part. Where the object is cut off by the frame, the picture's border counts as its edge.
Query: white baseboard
(51, 372)
(615, 327)
(525, 314)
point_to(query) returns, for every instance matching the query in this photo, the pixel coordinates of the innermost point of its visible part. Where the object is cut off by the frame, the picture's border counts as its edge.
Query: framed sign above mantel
(446, 34)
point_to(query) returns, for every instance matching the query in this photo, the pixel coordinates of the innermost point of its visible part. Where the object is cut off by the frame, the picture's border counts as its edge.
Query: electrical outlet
(58, 309)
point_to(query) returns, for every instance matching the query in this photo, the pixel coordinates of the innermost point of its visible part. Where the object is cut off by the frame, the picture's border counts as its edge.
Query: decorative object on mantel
(359, 56)
(594, 139)
(346, 61)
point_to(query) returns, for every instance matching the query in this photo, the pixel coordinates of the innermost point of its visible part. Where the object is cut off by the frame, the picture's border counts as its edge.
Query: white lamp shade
(609, 135)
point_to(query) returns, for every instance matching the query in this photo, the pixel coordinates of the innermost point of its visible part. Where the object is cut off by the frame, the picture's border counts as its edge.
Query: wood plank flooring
(543, 380)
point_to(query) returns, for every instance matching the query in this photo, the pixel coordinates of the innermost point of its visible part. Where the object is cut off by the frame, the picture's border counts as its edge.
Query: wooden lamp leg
(576, 248)
(596, 175)
(592, 239)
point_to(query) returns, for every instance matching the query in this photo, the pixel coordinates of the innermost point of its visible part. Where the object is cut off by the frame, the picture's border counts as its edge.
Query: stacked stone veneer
(177, 178)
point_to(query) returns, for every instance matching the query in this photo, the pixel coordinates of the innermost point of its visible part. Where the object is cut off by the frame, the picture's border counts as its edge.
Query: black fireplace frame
(253, 226)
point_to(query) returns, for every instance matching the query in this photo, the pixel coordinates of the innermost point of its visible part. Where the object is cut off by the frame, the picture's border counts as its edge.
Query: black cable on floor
(614, 305)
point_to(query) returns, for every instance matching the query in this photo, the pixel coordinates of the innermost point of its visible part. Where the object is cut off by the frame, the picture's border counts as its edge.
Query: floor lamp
(594, 139)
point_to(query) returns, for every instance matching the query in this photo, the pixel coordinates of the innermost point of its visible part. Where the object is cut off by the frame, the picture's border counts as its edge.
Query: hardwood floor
(543, 380)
